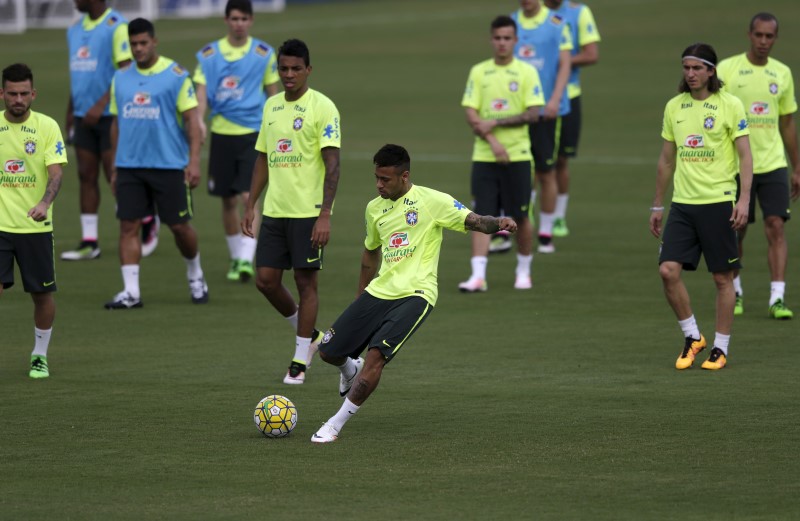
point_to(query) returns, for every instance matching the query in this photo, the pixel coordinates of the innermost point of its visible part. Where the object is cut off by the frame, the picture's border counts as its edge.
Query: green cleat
(738, 309)
(779, 311)
(39, 367)
(233, 271)
(246, 271)
(560, 227)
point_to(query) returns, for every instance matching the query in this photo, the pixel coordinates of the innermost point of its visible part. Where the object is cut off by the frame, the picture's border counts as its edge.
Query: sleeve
(187, 99)
(112, 100)
(587, 28)
(449, 212)
(666, 127)
(271, 74)
(122, 49)
(372, 240)
(329, 126)
(472, 95)
(738, 127)
(534, 95)
(261, 141)
(55, 151)
(566, 39)
(199, 76)
(788, 103)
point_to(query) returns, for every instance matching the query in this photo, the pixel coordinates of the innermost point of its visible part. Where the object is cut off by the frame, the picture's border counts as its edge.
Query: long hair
(708, 56)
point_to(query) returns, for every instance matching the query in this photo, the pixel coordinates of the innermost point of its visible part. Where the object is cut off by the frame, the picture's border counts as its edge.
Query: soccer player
(98, 46)
(298, 149)
(234, 76)
(704, 131)
(404, 237)
(545, 42)
(31, 152)
(766, 89)
(585, 37)
(156, 139)
(503, 95)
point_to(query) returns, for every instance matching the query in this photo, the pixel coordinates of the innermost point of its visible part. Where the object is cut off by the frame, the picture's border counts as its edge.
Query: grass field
(558, 403)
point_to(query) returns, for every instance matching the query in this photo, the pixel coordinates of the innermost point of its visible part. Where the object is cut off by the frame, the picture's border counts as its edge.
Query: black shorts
(285, 243)
(544, 139)
(34, 255)
(772, 191)
(230, 165)
(570, 129)
(693, 229)
(95, 139)
(507, 187)
(373, 322)
(139, 190)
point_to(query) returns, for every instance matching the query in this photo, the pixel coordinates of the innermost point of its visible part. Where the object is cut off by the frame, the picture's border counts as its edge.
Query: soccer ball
(275, 416)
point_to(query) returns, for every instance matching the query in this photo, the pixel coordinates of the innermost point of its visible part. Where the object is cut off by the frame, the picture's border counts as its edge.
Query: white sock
(524, 264)
(301, 349)
(233, 244)
(479, 267)
(546, 224)
(346, 412)
(293, 321)
(89, 226)
(737, 285)
(776, 291)
(348, 368)
(721, 341)
(689, 328)
(247, 248)
(193, 269)
(42, 341)
(561, 205)
(130, 277)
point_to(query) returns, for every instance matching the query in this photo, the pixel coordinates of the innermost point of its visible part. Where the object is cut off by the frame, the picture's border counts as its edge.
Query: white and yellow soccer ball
(275, 416)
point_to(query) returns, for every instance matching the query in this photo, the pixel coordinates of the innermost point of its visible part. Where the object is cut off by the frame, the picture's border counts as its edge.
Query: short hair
(141, 25)
(296, 48)
(393, 155)
(763, 17)
(504, 21)
(245, 6)
(17, 73)
(705, 53)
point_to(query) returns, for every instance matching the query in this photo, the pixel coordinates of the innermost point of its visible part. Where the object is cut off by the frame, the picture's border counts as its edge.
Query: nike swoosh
(312, 260)
(731, 261)
(680, 121)
(183, 213)
(45, 284)
(387, 345)
(381, 224)
(270, 123)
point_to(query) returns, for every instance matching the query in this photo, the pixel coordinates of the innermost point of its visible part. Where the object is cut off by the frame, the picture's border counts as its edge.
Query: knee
(723, 280)
(669, 272)
(266, 284)
(774, 228)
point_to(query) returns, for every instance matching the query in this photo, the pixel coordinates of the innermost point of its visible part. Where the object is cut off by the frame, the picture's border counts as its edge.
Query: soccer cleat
(199, 291)
(779, 311)
(560, 227)
(523, 282)
(546, 248)
(473, 285)
(500, 243)
(716, 361)
(296, 374)
(39, 367)
(313, 347)
(150, 227)
(86, 250)
(325, 434)
(246, 271)
(233, 271)
(738, 308)
(124, 300)
(690, 350)
(346, 383)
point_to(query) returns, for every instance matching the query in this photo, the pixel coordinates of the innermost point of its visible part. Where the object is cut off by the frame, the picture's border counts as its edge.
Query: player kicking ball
(404, 238)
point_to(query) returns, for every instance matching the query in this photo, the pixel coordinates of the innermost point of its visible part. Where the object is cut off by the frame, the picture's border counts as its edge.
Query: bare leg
(675, 290)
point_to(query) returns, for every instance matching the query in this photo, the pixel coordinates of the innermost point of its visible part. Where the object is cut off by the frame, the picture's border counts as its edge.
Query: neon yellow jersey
(26, 150)
(220, 124)
(704, 133)
(409, 233)
(500, 91)
(767, 93)
(293, 134)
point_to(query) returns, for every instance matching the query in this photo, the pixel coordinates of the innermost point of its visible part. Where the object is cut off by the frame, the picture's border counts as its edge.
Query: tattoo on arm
(52, 187)
(482, 223)
(330, 156)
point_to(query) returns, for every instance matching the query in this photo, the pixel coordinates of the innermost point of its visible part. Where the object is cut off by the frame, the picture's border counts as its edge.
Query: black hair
(245, 6)
(139, 26)
(763, 17)
(296, 48)
(393, 155)
(504, 21)
(17, 73)
(704, 52)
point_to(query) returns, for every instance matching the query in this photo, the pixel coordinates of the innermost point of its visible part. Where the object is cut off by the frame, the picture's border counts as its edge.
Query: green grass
(559, 403)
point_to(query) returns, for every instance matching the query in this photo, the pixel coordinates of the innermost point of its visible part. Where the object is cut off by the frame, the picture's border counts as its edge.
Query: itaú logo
(694, 141)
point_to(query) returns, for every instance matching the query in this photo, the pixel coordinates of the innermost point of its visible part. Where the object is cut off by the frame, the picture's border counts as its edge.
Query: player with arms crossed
(766, 89)
(404, 239)
(704, 130)
(31, 154)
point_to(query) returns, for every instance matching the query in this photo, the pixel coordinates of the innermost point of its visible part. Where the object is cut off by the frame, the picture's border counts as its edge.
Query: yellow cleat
(690, 350)
(738, 308)
(716, 361)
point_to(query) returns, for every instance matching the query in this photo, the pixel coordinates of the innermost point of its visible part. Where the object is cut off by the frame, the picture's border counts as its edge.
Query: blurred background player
(234, 76)
(298, 158)
(156, 139)
(98, 46)
(404, 237)
(545, 42)
(585, 37)
(766, 89)
(702, 123)
(31, 152)
(502, 96)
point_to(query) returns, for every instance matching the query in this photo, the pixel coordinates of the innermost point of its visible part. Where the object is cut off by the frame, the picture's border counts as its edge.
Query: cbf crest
(298, 123)
(412, 217)
(30, 147)
(773, 88)
(708, 122)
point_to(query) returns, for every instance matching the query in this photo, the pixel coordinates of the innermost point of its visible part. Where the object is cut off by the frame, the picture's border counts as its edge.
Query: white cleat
(313, 347)
(547, 248)
(473, 286)
(325, 434)
(346, 384)
(523, 282)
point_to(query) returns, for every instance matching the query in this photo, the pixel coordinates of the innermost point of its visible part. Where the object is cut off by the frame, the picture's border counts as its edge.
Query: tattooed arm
(54, 174)
(488, 224)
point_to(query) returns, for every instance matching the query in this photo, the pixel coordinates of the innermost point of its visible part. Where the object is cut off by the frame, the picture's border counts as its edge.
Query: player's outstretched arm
(488, 224)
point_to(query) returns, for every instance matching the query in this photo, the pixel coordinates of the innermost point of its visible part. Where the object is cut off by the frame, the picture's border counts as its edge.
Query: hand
(247, 222)
(39, 212)
(656, 216)
(550, 110)
(485, 126)
(321, 233)
(500, 153)
(740, 214)
(92, 116)
(507, 224)
(795, 182)
(192, 175)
